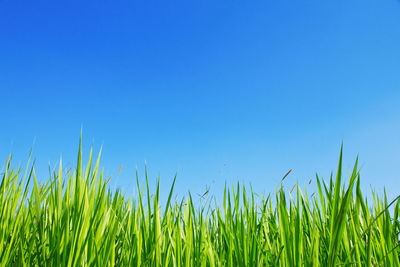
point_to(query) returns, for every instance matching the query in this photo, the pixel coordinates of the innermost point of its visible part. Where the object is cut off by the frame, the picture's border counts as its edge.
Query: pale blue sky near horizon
(217, 91)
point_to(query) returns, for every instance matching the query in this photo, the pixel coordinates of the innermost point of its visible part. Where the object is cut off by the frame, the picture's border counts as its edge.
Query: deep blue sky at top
(191, 86)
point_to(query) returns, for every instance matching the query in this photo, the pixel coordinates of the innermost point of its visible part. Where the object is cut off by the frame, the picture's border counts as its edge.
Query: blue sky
(218, 91)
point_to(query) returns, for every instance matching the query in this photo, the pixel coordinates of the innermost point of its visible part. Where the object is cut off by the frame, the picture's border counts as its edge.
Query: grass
(74, 220)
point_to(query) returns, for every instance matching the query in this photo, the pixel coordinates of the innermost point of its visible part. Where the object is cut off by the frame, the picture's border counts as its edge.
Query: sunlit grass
(74, 220)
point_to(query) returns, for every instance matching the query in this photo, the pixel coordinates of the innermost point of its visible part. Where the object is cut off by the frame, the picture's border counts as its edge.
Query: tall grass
(74, 220)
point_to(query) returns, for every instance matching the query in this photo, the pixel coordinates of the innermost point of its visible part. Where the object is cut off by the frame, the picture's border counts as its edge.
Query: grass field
(74, 220)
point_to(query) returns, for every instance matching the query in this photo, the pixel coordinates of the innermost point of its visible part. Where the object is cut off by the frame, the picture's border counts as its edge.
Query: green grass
(74, 220)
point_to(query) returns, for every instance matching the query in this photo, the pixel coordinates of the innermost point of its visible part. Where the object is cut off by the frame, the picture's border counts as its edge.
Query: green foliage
(75, 221)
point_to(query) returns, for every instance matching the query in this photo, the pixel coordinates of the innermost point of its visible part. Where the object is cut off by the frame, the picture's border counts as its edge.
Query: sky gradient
(217, 92)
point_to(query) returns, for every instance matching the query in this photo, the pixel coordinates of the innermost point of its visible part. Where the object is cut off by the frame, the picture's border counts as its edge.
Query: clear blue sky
(188, 86)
